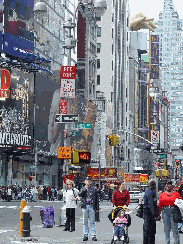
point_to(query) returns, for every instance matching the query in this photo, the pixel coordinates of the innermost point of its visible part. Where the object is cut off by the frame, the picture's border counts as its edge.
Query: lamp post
(154, 93)
(40, 10)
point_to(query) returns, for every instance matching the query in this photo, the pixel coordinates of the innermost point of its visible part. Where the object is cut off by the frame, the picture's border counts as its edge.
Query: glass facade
(169, 29)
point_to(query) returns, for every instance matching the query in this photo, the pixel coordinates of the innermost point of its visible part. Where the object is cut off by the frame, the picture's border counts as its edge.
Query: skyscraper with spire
(170, 31)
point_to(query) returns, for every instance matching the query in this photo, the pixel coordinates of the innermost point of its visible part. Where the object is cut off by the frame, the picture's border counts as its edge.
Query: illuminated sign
(64, 152)
(67, 81)
(154, 57)
(14, 139)
(84, 157)
(5, 84)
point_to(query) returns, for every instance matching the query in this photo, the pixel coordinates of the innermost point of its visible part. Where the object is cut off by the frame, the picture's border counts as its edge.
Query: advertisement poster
(18, 27)
(105, 173)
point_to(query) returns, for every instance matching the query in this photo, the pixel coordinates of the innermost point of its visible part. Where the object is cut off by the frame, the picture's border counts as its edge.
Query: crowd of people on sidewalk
(30, 193)
(152, 209)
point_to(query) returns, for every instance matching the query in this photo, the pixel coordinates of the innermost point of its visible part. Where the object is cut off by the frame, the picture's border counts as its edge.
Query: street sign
(155, 136)
(83, 125)
(32, 166)
(64, 152)
(66, 118)
(163, 156)
(157, 151)
(75, 133)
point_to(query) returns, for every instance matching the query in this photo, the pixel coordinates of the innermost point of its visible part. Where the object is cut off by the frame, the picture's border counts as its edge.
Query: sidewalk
(56, 234)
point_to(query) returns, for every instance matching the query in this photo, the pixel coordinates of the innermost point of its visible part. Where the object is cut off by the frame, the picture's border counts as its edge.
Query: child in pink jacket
(119, 225)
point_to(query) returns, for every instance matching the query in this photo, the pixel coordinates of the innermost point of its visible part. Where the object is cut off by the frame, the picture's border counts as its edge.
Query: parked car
(136, 196)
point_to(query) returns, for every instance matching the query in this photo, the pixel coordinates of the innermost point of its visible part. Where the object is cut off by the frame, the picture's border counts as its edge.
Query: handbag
(177, 217)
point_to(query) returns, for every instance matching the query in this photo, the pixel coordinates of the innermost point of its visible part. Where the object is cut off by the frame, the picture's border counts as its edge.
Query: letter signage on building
(154, 57)
(67, 81)
(4, 84)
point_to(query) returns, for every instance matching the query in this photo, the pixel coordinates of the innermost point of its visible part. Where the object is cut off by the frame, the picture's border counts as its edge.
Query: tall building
(120, 79)
(169, 29)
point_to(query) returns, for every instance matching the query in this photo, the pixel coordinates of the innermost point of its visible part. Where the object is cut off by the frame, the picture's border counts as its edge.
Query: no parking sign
(155, 136)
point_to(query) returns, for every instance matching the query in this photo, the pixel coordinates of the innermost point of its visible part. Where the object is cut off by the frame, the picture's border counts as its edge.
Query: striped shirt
(121, 198)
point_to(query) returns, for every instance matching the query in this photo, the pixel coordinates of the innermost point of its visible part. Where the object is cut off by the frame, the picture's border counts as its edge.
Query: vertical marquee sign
(154, 57)
(67, 81)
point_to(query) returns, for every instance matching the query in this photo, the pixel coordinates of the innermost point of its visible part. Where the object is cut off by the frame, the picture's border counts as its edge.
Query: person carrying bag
(169, 212)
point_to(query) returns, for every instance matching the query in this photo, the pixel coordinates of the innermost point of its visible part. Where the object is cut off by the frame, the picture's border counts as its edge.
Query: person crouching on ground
(89, 204)
(119, 225)
(70, 196)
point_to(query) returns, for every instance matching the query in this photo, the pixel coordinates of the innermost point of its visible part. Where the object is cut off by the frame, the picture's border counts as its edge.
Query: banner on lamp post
(68, 81)
(155, 136)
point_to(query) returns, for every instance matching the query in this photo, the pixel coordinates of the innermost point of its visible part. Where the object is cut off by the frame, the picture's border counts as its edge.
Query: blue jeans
(180, 224)
(167, 215)
(89, 213)
(119, 230)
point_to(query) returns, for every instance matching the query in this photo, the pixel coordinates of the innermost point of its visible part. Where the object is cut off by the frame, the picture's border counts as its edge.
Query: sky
(152, 8)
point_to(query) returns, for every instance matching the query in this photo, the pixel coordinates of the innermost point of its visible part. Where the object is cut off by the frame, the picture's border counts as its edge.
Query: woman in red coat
(121, 196)
(166, 203)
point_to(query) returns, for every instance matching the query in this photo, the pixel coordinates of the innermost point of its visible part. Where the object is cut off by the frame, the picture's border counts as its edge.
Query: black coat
(180, 191)
(83, 194)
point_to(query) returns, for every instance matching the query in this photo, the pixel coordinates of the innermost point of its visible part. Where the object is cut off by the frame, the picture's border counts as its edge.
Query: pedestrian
(44, 193)
(166, 205)
(119, 225)
(150, 214)
(39, 193)
(70, 196)
(49, 193)
(180, 191)
(9, 194)
(89, 205)
(121, 196)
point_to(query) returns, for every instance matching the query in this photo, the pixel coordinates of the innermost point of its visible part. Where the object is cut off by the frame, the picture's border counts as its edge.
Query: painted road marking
(1, 231)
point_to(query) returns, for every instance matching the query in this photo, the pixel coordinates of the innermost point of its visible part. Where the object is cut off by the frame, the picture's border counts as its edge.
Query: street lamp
(155, 94)
(40, 10)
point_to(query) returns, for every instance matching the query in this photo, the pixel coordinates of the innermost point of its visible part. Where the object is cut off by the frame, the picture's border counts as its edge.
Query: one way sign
(66, 118)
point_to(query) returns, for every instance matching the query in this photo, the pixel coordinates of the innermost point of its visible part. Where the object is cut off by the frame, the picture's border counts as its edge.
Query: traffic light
(177, 163)
(110, 140)
(30, 178)
(181, 147)
(113, 139)
(75, 156)
(116, 139)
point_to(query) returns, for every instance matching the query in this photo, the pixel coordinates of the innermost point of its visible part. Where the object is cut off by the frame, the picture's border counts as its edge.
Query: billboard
(1, 23)
(18, 28)
(14, 110)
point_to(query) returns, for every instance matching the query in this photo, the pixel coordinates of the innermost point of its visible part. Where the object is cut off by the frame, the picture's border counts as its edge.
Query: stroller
(112, 216)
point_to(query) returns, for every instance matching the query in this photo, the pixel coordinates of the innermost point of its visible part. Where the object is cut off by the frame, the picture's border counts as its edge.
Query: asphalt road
(9, 226)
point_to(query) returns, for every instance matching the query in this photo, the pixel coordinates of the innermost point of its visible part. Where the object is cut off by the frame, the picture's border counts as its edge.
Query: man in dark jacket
(89, 205)
(180, 191)
(150, 214)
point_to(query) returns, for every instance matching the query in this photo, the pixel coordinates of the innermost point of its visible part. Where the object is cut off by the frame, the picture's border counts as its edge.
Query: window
(98, 18)
(126, 121)
(126, 92)
(126, 107)
(112, 49)
(98, 79)
(99, 32)
(98, 47)
(112, 65)
(98, 63)
(112, 32)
